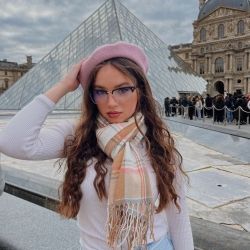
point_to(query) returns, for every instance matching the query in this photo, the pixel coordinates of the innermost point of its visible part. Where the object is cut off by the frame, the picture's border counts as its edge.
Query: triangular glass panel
(111, 22)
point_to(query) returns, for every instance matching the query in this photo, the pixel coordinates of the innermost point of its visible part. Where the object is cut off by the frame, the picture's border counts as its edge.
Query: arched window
(220, 31)
(219, 65)
(203, 35)
(240, 27)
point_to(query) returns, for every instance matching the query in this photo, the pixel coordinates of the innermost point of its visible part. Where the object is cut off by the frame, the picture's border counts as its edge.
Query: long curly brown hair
(82, 146)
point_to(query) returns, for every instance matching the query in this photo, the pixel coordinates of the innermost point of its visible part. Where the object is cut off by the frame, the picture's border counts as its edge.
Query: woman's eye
(123, 90)
(99, 92)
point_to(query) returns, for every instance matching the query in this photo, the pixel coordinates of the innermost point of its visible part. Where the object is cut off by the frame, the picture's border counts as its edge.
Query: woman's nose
(111, 100)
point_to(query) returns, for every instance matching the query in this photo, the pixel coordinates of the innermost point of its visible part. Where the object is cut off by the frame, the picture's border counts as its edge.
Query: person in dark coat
(173, 104)
(190, 107)
(208, 104)
(219, 105)
(167, 106)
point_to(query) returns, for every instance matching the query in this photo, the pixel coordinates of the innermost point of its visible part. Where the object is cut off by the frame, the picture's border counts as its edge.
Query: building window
(186, 55)
(202, 68)
(6, 83)
(203, 35)
(5, 73)
(202, 50)
(219, 65)
(220, 31)
(240, 27)
(239, 64)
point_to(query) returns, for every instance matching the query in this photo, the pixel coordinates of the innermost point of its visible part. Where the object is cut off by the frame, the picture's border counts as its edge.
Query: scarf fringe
(130, 222)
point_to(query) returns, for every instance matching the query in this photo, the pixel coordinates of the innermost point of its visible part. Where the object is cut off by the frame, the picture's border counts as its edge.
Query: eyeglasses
(120, 94)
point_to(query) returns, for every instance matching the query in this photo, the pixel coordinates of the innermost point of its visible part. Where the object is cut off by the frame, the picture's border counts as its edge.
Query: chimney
(201, 3)
(29, 61)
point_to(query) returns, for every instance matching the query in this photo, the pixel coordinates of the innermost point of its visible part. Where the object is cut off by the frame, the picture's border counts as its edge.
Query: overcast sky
(34, 27)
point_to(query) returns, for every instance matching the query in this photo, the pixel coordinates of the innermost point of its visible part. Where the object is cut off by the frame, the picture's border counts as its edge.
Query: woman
(124, 180)
(198, 106)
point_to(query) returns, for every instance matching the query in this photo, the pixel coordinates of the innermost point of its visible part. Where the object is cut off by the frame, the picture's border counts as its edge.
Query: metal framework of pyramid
(111, 22)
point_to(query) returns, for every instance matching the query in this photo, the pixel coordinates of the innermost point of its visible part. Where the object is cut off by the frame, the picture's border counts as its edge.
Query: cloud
(31, 27)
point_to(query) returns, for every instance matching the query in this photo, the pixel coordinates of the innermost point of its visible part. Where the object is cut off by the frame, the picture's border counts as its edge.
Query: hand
(68, 84)
(70, 81)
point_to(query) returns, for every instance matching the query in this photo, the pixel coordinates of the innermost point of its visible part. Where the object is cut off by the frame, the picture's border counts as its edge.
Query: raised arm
(24, 138)
(179, 223)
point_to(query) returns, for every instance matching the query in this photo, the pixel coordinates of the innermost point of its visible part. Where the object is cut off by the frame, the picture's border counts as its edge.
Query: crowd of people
(230, 107)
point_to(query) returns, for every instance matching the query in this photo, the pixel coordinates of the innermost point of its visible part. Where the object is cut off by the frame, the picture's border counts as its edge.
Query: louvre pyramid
(111, 22)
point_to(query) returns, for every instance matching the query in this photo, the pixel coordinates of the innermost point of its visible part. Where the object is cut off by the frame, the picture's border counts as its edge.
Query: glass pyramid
(111, 22)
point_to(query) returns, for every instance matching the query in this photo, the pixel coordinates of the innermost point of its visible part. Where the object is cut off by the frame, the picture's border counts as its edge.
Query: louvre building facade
(220, 51)
(110, 23)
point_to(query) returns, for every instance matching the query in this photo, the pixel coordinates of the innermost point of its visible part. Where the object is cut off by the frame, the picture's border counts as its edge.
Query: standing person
(198, 106)
(167, 106)
(219, 104)
(124, 180)
(173, 104)
(184, 106)
(229, 105)
(208, 104)
(190, 107)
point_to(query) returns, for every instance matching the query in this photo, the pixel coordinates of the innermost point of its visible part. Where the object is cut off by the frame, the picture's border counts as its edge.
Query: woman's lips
(113, 114)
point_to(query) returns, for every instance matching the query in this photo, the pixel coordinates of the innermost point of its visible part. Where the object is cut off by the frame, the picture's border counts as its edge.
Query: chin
(116, 120)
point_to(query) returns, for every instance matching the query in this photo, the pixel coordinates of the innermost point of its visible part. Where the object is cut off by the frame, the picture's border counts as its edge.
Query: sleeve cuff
(45, 100)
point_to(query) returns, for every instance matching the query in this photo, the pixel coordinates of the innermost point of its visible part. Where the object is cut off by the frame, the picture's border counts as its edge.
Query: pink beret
(108, 51)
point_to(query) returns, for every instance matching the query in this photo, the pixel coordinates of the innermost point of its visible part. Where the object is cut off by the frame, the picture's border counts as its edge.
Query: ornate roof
(212, 5)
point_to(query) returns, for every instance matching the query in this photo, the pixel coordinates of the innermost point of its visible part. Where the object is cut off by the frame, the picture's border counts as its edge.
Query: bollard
(203, 112)
(239, 118)
(213, 114)
(225, 114)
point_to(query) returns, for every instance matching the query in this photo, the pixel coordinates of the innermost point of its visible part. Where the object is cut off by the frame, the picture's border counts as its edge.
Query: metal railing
(236, 114)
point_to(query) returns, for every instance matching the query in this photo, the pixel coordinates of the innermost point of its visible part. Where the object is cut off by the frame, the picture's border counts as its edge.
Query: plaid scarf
(130, 203)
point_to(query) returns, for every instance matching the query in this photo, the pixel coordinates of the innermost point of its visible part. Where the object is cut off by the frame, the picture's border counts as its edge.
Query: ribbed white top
(24, 137)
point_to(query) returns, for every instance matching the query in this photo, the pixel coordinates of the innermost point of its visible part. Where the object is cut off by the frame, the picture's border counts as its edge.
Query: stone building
(220, 51)
(10, 72)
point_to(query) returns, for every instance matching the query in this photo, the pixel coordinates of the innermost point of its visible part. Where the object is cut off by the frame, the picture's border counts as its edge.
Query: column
(245, 61)
(248, 85)
(245, 85)
(209, 64)
(231, 62)
(227, 63)
(208, 87)
(248, 60)
(230, 86)
(213, 68)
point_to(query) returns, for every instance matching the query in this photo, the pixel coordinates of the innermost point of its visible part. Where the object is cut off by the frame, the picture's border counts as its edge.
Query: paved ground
(219, 188)
(27, 226)
(243, 130)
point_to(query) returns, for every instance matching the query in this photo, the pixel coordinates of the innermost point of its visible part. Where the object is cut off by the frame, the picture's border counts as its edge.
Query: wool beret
(108, 51)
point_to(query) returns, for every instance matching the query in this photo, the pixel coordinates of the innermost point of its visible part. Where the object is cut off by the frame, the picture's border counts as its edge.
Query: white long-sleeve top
(24, 137)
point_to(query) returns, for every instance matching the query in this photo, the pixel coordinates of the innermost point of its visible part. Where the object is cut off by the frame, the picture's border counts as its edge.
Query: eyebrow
(117, 86)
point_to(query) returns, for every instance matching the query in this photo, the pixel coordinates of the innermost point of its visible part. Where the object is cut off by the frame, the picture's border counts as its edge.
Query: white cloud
(32, 27)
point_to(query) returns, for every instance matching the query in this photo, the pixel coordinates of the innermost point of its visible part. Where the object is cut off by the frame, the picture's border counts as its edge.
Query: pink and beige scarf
(130, 203)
